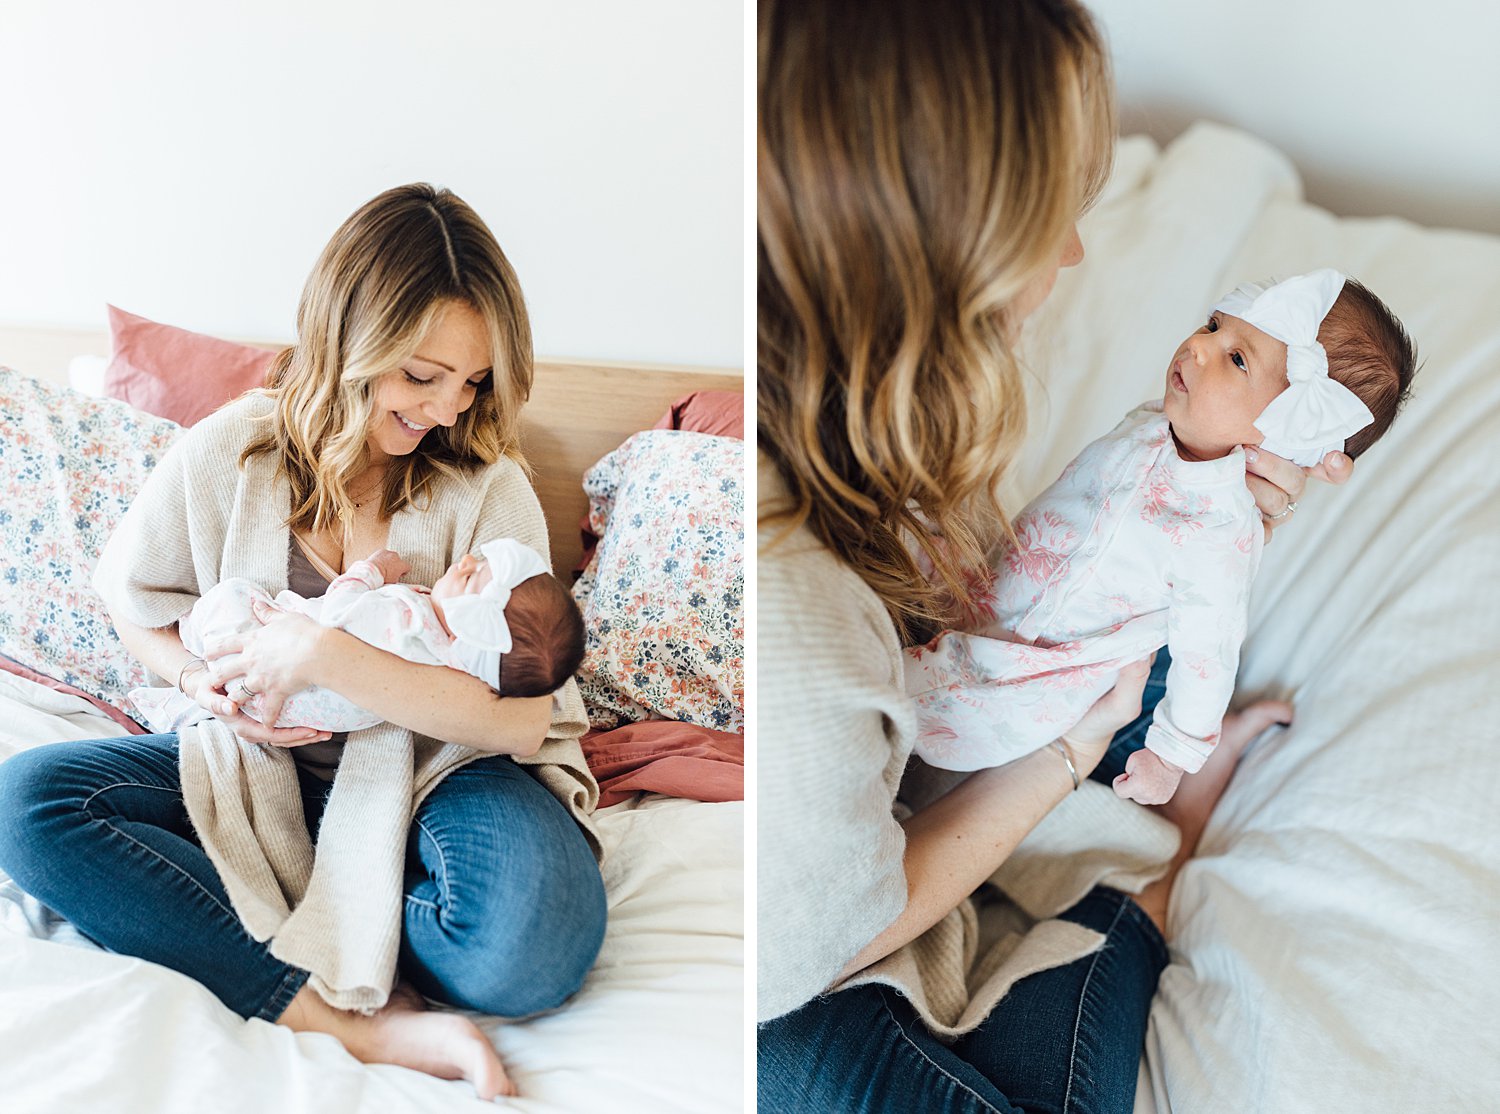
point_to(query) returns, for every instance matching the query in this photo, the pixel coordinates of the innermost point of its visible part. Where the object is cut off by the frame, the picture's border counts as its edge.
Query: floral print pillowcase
(70, 465)
(663, 597)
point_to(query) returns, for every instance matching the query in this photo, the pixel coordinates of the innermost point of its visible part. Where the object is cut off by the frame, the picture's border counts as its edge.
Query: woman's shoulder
(491, 501)
(226, 431)
(479, 491)
(506, 474)
(834, 641)
(499, 488)
(801, 579)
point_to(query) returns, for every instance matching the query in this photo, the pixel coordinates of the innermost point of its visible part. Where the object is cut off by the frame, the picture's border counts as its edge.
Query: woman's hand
(1091, 737)
(200, 686)
(1277, 483)
(272, 663)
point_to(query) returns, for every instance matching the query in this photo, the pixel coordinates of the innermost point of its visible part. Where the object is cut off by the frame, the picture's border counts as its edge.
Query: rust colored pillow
(668, 757)
(176, 374)
(721, 413)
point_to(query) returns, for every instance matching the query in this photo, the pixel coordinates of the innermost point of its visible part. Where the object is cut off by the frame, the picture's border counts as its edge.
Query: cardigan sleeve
(834, 732)
(147, 573)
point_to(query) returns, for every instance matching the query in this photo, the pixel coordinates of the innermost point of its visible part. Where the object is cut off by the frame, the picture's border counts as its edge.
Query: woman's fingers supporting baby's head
(1279, 473)
(1335, 468)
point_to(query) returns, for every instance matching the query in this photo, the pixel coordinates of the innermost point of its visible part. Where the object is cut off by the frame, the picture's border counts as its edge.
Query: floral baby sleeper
(394, 617)
(1133, 548)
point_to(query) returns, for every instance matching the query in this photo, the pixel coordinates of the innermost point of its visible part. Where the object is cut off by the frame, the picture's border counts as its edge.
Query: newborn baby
(1150, 537)
(503, 618)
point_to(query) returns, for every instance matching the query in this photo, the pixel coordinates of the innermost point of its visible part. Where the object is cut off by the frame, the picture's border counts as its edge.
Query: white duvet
(657, 1027)
(1336, 945)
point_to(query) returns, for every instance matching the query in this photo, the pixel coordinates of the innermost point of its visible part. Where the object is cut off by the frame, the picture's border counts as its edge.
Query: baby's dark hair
(546, 630)
(1369, 352)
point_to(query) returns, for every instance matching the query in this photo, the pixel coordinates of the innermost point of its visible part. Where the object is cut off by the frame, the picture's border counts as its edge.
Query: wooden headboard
(579, 410)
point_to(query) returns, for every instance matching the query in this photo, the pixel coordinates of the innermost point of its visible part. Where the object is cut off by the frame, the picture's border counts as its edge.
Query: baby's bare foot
(407, 1034)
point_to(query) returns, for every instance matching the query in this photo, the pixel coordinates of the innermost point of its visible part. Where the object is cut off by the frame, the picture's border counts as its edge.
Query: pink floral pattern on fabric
(663, 597)
(71, 465)
(1130, 550)
(1043, 540)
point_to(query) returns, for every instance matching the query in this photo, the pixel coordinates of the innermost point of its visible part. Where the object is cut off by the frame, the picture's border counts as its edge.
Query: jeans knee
(526, 959)
(28, 785)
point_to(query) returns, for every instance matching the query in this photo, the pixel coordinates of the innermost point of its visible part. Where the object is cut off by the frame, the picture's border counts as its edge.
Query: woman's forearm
(432, 699)
(160, 649)
(958, 841)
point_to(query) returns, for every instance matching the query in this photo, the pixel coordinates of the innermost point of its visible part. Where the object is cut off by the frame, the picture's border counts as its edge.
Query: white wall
(1386, 106)
(188, 160)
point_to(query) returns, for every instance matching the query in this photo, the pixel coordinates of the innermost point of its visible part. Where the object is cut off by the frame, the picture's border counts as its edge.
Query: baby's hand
(1148, 779)
(392, 567)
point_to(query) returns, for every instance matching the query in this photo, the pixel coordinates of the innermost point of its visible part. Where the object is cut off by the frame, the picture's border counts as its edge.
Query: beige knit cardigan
(835, 732)
(201, 518)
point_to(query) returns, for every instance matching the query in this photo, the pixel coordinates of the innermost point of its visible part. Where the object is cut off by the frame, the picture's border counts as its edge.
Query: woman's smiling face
(434, 386)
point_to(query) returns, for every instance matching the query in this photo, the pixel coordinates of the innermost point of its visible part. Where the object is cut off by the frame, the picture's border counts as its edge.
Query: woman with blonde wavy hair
(392, 422)
(921, 167)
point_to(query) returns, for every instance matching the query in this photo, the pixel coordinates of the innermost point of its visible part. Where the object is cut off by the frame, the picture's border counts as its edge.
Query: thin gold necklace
(364, 495)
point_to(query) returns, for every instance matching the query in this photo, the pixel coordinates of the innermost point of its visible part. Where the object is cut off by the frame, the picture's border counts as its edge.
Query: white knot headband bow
(1315, 414)
(478, 621)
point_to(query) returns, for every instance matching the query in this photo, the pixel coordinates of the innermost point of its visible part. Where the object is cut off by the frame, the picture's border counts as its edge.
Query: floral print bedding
(663, 597)
(70, 465)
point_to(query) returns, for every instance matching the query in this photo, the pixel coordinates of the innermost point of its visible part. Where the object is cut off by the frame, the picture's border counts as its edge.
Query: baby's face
(1219, 381)
(468, 576)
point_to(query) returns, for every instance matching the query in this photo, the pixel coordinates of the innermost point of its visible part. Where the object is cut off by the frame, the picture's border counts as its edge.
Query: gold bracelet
(181, 672)
(1062, 749)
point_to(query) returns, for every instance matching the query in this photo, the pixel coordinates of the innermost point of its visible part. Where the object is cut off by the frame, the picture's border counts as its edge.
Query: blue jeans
(1067, 1039)
(1064, 1040)
(504, 904)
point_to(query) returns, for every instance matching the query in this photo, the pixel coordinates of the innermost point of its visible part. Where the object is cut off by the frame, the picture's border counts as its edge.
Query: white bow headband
(1315, 414)
(479, 620)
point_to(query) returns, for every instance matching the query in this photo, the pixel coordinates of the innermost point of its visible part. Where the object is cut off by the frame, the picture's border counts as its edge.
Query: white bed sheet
(657, 1027)
(1334, 944)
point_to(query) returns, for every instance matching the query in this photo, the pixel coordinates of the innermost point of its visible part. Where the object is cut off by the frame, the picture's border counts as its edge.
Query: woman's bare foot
(1197, 794)
(406, 1033)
